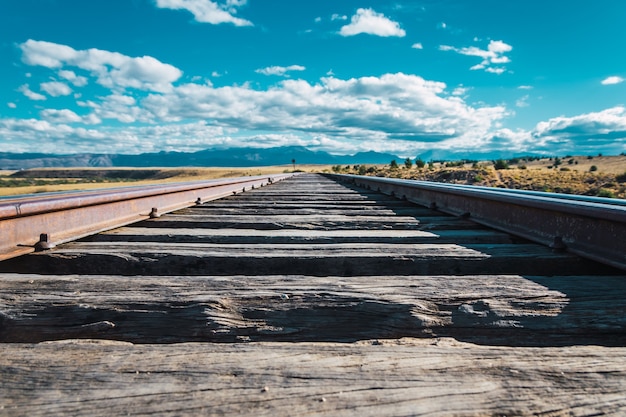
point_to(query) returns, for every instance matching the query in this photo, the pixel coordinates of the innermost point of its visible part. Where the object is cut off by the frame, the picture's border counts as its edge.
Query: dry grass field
(603, 176)
(44, 180)
(597, 176)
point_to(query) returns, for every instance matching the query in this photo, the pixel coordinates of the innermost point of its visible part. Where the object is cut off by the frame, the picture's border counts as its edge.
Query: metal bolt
(198, 201)
(154, 214)
(44, 243)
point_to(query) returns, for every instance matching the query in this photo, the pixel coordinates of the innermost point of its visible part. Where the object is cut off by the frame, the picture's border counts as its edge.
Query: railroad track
(312, 296)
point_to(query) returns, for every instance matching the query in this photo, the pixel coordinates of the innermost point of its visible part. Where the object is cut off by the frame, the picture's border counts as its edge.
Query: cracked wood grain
(436, 377)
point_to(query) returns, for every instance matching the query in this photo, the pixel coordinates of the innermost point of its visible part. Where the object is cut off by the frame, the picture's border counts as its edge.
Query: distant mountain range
(235, 157)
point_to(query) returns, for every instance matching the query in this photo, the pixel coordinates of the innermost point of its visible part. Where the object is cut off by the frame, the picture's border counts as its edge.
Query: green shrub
(501, 164)
(593, 168)
(603, 192)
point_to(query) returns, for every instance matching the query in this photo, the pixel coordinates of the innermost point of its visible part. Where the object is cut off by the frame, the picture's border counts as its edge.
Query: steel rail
(590, 227)
(30, 223)
(560, 196)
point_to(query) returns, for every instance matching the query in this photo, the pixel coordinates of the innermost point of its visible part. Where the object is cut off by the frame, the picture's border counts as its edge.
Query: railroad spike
(44, 243)
(154, 214)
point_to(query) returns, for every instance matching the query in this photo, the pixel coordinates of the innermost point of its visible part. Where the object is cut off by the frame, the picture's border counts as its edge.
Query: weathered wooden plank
(312, 211)
(286, 203)
(296, 218)
(438, 377)
(343, 259)
(269, 222)
(493, 309)
(238, 236)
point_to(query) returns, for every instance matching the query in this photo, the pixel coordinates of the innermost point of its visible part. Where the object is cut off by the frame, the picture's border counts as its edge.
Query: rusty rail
(32, 223)
(591, 227)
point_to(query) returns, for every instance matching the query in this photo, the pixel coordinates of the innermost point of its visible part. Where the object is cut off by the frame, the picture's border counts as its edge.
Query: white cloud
(207, 11)
(612, 80)
(122, 108)
(34, 135)
(395, 108)
(603, 131)
(27, 135)
(47, 54)
(77, 81)
(25, 89)
(112, 69)
(494, 54)
(276, 70)
(399, 113)
(338, 17)
(392, 112)
(372, 23)
(525, 87)
(460, 91)
(603, 122)
(12, 105)
(60, 116)
(523, 101)
(417, 45)
(56, 89)
(497, 70)
(499, 47)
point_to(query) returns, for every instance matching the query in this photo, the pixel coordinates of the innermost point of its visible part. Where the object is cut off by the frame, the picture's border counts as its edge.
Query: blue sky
(406, 77)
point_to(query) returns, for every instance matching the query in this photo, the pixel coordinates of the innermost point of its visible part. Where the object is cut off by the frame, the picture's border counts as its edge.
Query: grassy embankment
(603, 176)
